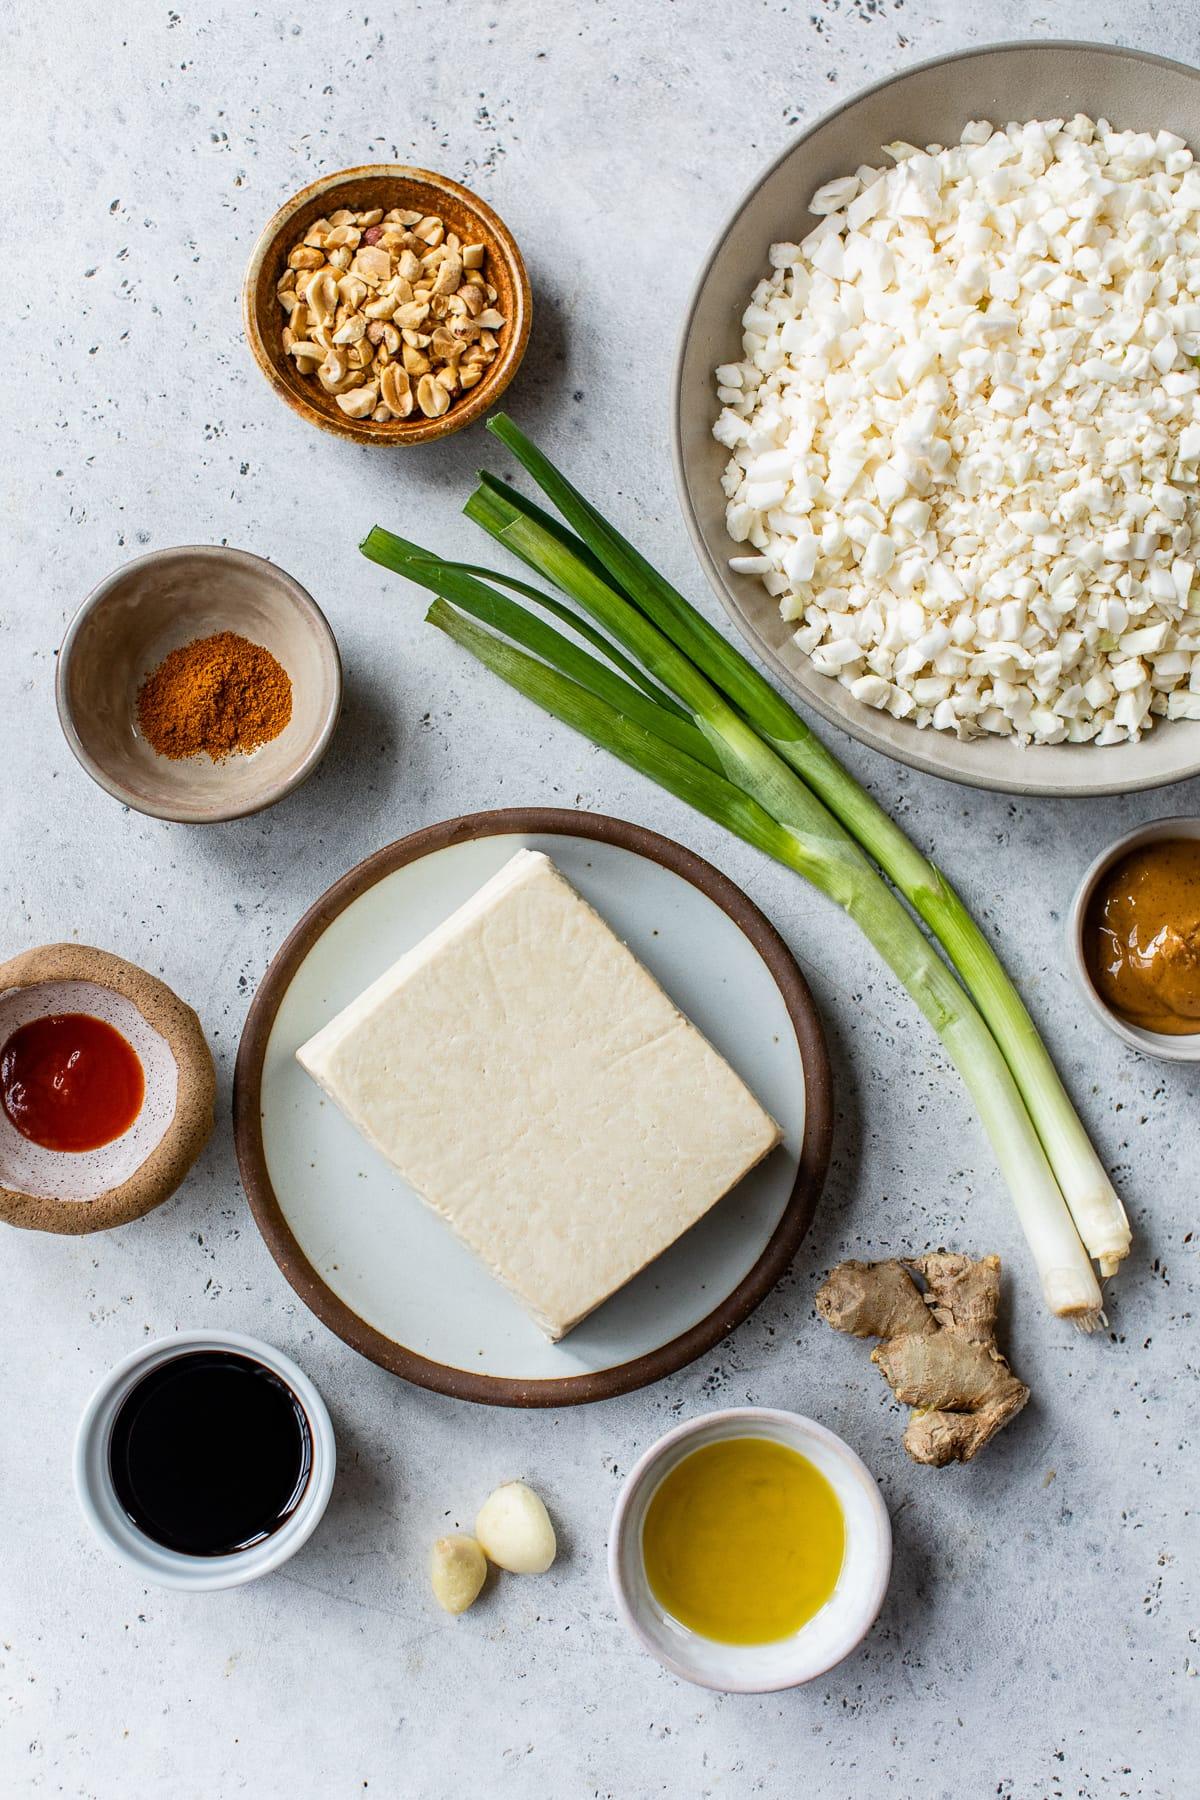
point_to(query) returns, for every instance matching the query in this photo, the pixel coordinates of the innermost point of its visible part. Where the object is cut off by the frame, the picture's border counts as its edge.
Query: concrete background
(1039, 1638)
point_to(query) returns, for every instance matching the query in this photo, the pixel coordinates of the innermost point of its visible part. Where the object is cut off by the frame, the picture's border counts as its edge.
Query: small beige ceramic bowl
(151, 606)
(1150, 1043)
(385, 185)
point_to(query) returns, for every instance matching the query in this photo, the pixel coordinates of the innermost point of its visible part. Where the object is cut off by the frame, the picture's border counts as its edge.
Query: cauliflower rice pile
(965, 435)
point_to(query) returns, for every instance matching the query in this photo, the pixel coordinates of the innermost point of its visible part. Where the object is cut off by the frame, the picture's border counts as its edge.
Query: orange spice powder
(219, 695)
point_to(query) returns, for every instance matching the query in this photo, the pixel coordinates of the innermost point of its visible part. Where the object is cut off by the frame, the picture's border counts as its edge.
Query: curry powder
(219, 695)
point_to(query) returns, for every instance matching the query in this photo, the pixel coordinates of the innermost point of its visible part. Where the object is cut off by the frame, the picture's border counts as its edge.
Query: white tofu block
(531, 1080)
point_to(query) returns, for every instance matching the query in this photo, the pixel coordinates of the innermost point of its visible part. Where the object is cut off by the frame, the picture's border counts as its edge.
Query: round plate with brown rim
(383, 1271)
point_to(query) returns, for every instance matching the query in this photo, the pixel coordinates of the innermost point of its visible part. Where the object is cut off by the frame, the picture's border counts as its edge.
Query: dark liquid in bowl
(210, 1453)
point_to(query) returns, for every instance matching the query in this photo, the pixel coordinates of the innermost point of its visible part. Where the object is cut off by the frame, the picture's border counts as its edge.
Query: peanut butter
(1142, 936)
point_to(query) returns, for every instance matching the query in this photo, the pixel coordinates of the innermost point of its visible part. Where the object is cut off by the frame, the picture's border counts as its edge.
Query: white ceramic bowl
(927, 104)
(153, 1561)
(1150, 1043)
(842, 1622)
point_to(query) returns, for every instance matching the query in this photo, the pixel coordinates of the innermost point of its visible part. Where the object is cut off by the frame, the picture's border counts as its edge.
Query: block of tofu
(533, 1083)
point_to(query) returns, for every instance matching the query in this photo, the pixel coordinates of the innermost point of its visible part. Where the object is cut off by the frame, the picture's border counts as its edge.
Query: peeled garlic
(515, 1531)
(457, 1570)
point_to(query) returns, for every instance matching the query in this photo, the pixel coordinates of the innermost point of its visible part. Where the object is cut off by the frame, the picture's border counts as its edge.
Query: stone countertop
(1038, 1638)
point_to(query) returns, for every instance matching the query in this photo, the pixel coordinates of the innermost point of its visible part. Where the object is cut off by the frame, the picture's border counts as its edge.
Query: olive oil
(743, 1541)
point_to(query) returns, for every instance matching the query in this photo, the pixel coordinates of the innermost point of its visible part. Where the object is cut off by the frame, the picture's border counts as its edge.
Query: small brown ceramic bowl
(43, 1189)
(386, 185)
(150, 607)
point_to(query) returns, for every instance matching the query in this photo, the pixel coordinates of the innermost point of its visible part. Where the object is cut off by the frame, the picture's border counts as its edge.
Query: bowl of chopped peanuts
(387, 304)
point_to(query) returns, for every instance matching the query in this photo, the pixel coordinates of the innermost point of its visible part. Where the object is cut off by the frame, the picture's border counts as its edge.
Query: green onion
(810, 841)
(1094, 1204)
(461, 584)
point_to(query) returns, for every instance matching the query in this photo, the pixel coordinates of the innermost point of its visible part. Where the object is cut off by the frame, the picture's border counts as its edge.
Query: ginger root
(938, 1352)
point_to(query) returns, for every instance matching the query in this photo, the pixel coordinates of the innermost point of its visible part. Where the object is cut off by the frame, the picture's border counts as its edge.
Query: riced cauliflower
(965, 435)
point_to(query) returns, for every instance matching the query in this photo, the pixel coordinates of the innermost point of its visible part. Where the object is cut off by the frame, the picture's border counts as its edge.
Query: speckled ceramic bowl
(76, 1192)
(837, 1629)
(149, 607)
(385, 185)
(1151, 1043)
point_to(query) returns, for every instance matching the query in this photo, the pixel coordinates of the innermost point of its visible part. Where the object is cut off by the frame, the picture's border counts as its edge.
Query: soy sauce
(210, 1453)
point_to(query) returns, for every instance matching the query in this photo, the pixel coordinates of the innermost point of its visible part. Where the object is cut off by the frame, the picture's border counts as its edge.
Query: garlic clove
(457, 1571)
(515, 1531)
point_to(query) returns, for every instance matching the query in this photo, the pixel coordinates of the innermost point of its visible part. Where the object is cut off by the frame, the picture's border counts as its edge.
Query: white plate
(389, 1276)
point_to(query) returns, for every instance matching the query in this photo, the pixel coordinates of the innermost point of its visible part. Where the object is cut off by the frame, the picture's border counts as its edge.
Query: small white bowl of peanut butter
(1134, 938)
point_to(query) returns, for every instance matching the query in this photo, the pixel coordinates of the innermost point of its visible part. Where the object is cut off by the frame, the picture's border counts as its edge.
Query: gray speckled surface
(1039, 1638)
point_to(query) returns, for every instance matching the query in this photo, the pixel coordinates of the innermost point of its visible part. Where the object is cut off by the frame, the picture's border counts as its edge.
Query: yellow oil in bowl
(743, 1541)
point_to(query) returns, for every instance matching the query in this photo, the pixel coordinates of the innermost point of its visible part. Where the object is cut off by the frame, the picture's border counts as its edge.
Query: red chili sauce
(70, 1082)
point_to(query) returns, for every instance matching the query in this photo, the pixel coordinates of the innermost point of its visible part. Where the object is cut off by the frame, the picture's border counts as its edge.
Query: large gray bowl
(925, 105)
